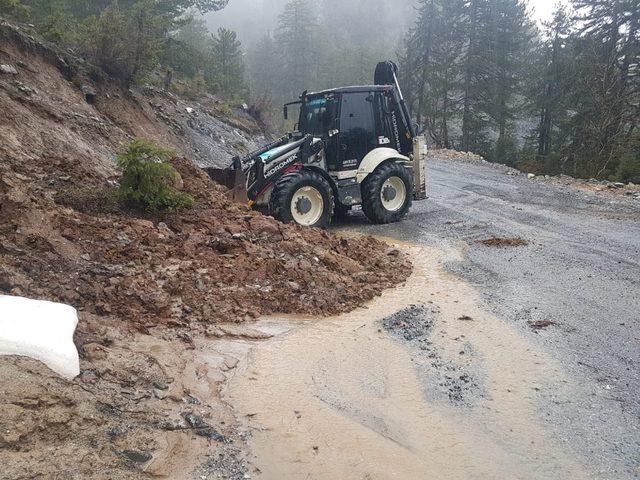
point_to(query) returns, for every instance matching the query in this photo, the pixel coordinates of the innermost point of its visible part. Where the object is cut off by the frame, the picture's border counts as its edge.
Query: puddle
(342, 398)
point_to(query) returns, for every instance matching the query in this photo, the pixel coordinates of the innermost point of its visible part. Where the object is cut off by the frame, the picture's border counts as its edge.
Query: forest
(479, 75)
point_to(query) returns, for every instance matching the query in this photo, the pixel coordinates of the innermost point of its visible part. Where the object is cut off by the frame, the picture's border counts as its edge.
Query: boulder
(8, 69)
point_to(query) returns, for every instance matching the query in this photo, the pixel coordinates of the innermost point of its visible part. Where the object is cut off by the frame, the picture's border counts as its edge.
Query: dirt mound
(217, 262)
(503, 242)
(142, 401)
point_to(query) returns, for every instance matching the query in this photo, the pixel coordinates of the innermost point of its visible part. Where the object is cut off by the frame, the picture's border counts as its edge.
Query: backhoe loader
(351, 146)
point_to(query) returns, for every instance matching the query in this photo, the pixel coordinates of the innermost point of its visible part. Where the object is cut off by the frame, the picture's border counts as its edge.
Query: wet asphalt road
(581, 270)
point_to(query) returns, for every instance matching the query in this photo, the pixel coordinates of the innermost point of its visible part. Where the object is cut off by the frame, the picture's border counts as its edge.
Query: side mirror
(286, 112)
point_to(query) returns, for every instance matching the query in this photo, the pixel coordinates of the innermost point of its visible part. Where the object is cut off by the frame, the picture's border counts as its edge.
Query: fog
(364, 22)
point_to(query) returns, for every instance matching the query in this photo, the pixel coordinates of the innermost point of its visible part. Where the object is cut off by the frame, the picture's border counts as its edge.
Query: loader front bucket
(234, 179)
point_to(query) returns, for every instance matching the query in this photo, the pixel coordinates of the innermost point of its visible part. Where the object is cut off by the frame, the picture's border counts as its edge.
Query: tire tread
(371, 187)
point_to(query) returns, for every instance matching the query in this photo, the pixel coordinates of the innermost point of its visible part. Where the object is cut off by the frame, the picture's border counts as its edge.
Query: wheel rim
(393, 194)
(307, 206)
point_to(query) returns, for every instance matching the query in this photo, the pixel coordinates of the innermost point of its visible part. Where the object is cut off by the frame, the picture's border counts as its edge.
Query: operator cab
(352, 122)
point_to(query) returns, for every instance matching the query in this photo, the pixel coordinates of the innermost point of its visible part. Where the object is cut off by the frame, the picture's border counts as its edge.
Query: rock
(531, 175)
(178, 182)
(191, 400)
(89, 94)
(231, 362)
(202, 428)
(136, 456)
(189, 110)
(264, 225)
(123, 239)
(619, 185)
(8, 69)
(94, 352)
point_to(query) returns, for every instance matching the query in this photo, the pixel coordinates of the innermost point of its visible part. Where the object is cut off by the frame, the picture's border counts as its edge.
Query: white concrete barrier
(40, 330)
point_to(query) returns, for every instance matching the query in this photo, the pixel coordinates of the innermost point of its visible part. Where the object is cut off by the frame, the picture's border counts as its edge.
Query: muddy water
(340, 398)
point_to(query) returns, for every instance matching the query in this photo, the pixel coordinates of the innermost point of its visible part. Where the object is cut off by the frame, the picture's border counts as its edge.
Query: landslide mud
(367, 395)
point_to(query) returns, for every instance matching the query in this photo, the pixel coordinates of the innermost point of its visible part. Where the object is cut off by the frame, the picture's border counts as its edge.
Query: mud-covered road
(580, 270)
(489, 363)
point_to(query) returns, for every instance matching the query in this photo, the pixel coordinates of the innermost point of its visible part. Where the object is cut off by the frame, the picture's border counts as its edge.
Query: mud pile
(150, 291)
(219, 262)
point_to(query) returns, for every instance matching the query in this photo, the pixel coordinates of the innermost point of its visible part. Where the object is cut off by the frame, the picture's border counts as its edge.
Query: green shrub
(14, 9)
(629, 168)
(124, 42)
(148, 180)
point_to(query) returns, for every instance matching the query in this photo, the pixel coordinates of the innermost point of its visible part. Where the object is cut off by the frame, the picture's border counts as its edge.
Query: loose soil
(503, 242)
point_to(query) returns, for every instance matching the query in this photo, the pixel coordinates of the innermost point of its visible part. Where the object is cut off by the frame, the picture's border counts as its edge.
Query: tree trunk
(468, 77)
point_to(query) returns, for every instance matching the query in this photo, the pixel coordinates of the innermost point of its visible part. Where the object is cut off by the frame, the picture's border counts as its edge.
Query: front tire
(387, 193)
(303, 197)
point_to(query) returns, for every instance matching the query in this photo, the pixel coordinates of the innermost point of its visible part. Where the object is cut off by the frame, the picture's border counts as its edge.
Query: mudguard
(376, 157)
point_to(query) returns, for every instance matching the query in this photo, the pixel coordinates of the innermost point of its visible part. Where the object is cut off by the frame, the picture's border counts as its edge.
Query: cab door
(357, 129)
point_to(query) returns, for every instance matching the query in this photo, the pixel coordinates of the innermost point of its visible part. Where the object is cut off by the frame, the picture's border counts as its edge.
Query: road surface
(580, 270)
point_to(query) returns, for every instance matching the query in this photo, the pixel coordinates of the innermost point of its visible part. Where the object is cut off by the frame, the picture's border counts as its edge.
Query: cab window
(318, 116)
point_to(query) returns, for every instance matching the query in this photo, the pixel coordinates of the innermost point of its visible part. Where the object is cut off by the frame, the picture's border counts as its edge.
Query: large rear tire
(387, 193)
(303, 197)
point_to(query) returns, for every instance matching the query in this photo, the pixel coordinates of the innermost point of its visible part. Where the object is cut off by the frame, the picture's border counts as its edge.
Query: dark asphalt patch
(445, 381)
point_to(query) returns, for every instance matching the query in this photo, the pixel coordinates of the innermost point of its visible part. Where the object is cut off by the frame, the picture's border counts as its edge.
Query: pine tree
(296, 42)
(511, 34)
(608, 48)
(476, 61)
(554, 82)
(228, 63)
(444, 72)
(265, 66)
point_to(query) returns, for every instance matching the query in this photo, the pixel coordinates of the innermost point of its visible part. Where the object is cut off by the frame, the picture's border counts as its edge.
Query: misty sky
(543, 9)
(253, 18)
